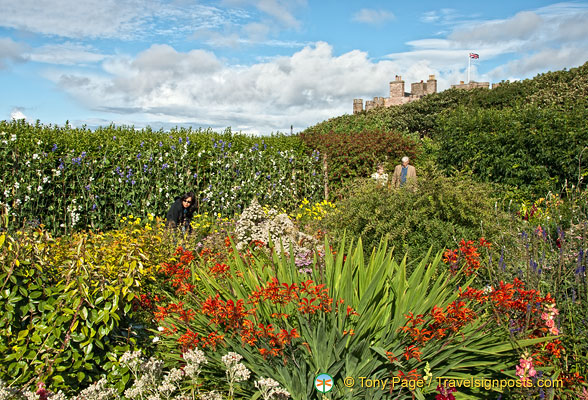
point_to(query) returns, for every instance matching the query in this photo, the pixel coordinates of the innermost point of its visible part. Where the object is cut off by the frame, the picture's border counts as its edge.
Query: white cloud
(372, 16)
(17, 113)
(164, 84)
(11, 51)
(68, 53)
(119, 19)
(527, 43)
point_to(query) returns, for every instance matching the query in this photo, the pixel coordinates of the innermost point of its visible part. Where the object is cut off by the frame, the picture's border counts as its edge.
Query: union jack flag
(474, 55)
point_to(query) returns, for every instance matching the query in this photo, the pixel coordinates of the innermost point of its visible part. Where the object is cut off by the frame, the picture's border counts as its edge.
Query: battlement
(472, 85)
(417, 91)
(398, 95)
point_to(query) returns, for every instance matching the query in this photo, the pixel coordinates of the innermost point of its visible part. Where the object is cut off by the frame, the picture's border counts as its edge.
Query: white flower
(16, 185)
(35, 156)
(155, 339)
(13, 137)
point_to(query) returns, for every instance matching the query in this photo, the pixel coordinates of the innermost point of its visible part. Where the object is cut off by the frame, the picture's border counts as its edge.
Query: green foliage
(532, 148)
(528, 134)
(66, 320)
(357, 155)
(68, 178)
(439, 213)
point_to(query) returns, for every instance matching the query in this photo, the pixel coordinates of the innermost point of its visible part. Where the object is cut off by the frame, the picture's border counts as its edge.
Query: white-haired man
(403, 173)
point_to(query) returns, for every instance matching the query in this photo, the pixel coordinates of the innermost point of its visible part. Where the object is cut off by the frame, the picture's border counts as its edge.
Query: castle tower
(369, 104)
(417, 89)
(378, 101)
(357, 106)
(431, 85)
(397, 87)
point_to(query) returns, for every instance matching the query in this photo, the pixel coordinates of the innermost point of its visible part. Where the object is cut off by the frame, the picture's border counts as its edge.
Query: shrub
(351, 155)
(439, 213)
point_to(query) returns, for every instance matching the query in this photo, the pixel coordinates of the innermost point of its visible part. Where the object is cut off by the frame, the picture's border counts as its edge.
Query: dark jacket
(178, 215)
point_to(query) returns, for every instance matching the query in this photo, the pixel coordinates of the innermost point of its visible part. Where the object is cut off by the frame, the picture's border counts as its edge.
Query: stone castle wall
(417, 91)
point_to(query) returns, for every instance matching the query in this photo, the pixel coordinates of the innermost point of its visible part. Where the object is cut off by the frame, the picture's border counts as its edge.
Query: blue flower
(142, 145)
(180, 140)
(114, 138)
(94, 206)
(54, 147)
(83, 154)
(87, 187)
(133, 182)
(195, 175)
(129, 203)
(173, 147)
(164, 166)
(138, 155)
(160, 144)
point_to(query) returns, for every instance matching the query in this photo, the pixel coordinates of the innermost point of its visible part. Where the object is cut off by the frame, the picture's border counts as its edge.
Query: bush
(356, 155)
(439, 213)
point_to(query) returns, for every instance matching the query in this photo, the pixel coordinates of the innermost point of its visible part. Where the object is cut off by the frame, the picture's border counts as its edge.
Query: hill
(527, 134)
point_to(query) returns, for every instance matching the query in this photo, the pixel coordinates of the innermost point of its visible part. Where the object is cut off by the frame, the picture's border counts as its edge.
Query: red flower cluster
(440, 323)
(308, 297)
(179, 274)
(226, 314)
(468, 254)
(276, 341)
(190, 340)
(220, 271)
(172, 308)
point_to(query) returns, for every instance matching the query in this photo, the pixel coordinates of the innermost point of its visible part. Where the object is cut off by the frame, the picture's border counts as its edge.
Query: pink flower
(520, 371)
(554, 331)
(550, 323)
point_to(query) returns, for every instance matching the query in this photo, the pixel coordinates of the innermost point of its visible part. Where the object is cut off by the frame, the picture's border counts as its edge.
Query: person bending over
(181, 211)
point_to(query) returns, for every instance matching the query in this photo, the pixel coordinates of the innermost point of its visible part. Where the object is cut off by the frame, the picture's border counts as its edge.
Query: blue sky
(260, 66)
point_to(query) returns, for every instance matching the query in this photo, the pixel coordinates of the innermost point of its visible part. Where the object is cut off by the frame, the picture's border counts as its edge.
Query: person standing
(380, 176)
(403, 173)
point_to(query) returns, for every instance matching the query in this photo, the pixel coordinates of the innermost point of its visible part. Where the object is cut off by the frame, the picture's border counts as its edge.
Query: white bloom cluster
(194, 359)
(255, 223)
(271, 389)
(236, 371)
(97, 391)
(214, 395)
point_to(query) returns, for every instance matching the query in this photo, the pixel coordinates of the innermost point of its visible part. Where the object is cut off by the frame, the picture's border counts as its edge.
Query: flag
(474, 55)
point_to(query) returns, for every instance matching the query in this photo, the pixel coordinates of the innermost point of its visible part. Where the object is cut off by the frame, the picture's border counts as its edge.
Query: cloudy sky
(261, 66)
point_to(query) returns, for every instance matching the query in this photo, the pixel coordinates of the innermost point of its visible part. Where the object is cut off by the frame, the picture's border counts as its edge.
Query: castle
(417, 90)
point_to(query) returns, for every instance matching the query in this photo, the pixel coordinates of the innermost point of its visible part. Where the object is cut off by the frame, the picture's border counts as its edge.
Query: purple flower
(164, 166)
(138, 155)
(94, 206)
(160, 144)
(180, 140)
(133, 182)
(144, 167)
(195, 175)
(142, 145)
(173, 147)
(54, 147)
(114, 138)
(87, 187)
(129, 203)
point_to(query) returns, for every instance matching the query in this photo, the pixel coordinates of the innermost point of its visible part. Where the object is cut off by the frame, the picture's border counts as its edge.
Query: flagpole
(469, 64)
